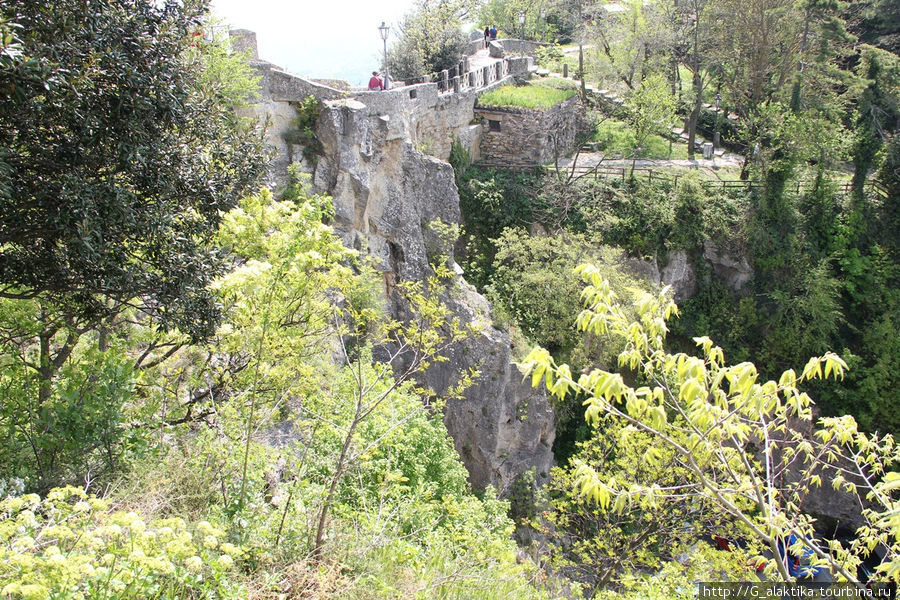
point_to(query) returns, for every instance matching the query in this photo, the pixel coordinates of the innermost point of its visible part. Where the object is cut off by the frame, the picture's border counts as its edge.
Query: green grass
(525, 96)
(616, 137)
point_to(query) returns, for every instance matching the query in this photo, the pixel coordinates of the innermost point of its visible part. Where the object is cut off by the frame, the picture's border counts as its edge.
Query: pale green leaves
(733, 434)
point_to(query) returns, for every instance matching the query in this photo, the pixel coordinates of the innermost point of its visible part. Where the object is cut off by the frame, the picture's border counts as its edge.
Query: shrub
(70, 545)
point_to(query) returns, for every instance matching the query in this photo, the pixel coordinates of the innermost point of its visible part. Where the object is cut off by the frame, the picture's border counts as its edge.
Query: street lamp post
(385, 30)
(522, 39)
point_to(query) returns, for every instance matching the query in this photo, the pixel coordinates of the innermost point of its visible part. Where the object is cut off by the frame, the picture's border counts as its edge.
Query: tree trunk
(697, 84)
(335, 479)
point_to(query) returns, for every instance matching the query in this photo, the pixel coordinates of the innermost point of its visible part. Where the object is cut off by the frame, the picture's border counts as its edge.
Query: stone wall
(521, 137)
(510, 46)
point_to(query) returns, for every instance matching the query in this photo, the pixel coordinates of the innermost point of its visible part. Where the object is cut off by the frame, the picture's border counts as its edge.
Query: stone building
(525, 137)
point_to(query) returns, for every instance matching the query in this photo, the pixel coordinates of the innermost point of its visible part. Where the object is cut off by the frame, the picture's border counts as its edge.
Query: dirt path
(727, 162)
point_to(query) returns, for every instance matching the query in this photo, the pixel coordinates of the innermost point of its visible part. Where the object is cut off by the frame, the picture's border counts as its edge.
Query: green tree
(749, 447)
(430, 38)
(504, 14)
(119, 152)
(604, 549)
(651, 109)
(117, 161)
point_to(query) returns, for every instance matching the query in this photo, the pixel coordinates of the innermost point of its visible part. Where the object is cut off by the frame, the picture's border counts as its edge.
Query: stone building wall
(510, 46)
(521, 137)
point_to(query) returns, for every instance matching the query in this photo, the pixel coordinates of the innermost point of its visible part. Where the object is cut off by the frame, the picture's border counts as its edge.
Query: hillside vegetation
(203, 394)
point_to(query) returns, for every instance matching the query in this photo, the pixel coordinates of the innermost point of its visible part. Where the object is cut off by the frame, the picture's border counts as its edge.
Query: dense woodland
(197, 397)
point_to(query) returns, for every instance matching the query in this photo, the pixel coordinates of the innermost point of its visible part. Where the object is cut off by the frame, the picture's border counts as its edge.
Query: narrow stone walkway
(481, 59)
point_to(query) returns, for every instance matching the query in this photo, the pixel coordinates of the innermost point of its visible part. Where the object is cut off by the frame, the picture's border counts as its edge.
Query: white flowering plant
(71, 545)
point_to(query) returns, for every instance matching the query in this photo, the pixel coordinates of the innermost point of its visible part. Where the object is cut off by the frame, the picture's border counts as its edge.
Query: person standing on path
(487, 36)
(375, 83)
(493, 32)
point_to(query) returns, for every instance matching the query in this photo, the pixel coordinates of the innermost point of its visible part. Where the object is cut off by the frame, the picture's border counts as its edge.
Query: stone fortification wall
(510, 46)
(430, 115)
(432, 118)
(520, 137)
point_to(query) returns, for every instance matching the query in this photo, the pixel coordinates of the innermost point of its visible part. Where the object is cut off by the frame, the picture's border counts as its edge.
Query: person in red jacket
(375, 83)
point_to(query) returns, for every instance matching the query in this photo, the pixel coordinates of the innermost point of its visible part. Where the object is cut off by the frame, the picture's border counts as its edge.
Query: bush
(73, 546)
(75, 431)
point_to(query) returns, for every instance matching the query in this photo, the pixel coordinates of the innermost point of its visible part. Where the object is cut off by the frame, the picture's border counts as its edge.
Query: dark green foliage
(115, 162)
(876, 22)
(820, 210)
(878, 111)
(889, 178)
(649, 219)
(491, 201)
(303, 132)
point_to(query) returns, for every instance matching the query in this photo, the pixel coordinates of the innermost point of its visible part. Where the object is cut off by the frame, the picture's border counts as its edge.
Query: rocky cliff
(385, 193)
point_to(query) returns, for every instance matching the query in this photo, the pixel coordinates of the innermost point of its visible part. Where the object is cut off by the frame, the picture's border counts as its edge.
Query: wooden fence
(667, 177)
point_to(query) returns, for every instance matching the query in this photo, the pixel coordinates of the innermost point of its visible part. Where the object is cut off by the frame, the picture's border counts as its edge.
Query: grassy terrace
(525, 96)
(616, 138)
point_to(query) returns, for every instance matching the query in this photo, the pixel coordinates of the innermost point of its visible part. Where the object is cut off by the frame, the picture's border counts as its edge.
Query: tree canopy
(117, 158)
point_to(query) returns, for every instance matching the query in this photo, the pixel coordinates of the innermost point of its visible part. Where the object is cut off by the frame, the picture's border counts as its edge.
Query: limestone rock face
(385, 193)
(678, 273)
(734, 271)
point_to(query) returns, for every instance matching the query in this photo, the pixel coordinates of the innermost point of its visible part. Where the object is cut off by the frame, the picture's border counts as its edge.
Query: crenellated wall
(429, 115)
